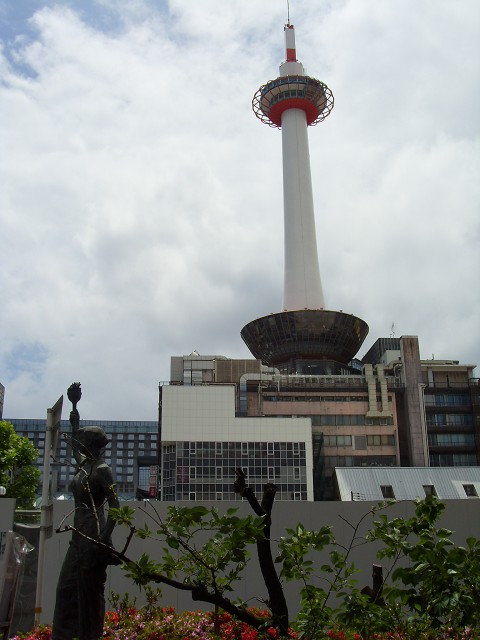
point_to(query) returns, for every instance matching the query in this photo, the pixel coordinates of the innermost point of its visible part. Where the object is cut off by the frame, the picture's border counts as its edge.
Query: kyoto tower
(304, 338)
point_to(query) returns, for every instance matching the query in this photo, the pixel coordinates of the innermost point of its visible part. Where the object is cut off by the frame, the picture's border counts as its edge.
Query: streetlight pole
(54, 416)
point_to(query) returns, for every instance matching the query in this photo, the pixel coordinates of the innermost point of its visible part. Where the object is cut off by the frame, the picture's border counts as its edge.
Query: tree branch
(277, 601)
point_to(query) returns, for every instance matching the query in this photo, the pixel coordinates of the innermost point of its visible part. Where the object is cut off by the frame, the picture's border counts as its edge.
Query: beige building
(390, 410)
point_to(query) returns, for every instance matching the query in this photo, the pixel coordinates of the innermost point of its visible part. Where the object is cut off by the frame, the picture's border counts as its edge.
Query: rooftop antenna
(288, 13)
(392, 330)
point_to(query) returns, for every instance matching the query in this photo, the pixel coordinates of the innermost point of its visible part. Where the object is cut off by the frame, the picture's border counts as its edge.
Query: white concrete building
(203, 442)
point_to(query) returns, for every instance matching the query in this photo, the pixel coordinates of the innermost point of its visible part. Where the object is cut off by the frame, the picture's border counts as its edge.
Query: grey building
(131, 453)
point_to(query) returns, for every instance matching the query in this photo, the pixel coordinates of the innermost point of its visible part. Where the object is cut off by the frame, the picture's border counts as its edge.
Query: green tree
(428, 585)
(428, 582)
(18, 474)
(440, 582)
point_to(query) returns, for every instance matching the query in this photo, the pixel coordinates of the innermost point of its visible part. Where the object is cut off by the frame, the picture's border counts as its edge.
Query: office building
(396, 410)
(131, 453)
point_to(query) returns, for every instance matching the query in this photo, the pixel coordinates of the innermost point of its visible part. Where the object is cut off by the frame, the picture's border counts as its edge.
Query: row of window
(371, 441)
(449, 419)
(282, 398)
(445, 439)
(220, 495)
(349, 420)
(227, 488)
(110, 426)
(453, 459)
(445, 399)
(244, 448)
(360, 461)
(429, 489)
(184, 474)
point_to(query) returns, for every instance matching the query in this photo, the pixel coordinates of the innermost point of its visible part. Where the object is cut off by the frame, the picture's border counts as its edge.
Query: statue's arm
(74, 394)
(108, 484)
(76, 449)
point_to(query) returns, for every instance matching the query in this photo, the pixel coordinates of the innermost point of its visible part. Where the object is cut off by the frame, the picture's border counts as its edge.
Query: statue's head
(93, 439)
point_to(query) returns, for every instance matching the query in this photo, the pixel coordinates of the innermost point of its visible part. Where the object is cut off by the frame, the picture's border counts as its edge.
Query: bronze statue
(80, 603)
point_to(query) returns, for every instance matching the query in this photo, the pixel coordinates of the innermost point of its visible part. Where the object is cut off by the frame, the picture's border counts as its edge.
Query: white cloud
(142, 209)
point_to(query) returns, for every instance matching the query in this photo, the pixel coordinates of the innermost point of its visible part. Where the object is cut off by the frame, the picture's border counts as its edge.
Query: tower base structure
(307, 342)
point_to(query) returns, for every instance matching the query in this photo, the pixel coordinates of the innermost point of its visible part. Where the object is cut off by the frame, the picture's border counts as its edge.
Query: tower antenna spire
(288, 13)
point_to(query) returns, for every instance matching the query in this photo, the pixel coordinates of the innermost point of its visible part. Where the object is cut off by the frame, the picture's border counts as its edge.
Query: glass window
(429, 490)
(387, 491)
(470, 490)
(453, 459)
(271, 473)
(270, 448)
(446, 439)
(360, 442)
(376, 440)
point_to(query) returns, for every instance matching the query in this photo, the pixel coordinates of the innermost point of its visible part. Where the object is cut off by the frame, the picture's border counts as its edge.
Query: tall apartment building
(448, 405)
(131, 453)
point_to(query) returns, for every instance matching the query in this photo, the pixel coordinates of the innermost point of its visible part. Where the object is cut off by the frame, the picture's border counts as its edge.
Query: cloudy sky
(141, 200)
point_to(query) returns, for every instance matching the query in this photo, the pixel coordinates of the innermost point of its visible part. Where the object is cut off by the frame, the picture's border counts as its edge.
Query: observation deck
(305, 335)
(292, 92)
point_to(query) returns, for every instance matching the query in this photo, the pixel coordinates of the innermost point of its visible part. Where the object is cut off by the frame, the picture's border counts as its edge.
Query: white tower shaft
(302, 284)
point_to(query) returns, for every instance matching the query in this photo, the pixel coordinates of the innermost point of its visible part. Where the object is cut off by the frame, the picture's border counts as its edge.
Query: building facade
(448, 405)
(203, 441)
(131, 453)
(394, 410)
